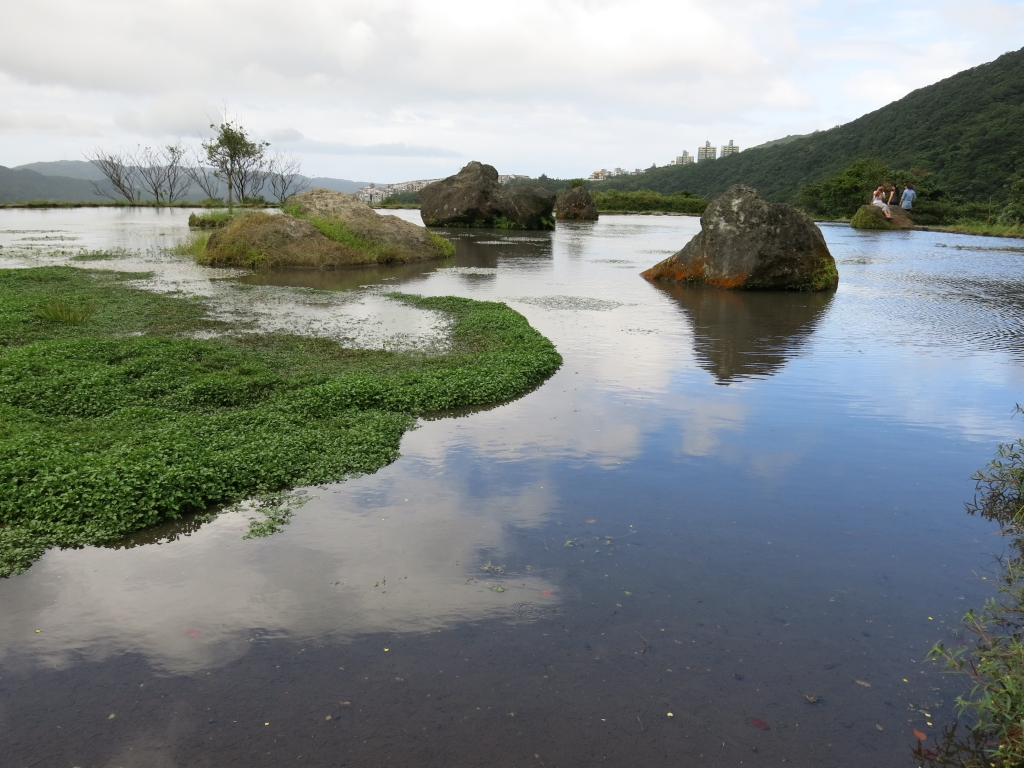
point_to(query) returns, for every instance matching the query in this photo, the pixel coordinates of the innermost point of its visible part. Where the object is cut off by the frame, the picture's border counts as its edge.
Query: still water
(746, 510)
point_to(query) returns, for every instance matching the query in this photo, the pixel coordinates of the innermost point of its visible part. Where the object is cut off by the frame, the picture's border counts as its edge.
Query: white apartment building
(707, 152)
(729, 149)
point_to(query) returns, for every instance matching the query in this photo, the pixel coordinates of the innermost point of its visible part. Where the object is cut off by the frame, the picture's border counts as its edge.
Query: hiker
(894, 196)
(879, 199)
(909, 196)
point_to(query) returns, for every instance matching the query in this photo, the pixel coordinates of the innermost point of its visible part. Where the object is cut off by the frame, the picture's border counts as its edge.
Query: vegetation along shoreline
(116, 417)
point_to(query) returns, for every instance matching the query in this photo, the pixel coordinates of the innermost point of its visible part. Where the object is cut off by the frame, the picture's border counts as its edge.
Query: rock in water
(872, 217)
(576, 205)
(525, 208)
(474, 198)
(321, 228)
(463, 200)
(748, 243)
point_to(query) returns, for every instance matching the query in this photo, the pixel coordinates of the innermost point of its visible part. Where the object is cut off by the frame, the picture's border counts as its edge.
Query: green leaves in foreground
(102, 433)
(995, 663)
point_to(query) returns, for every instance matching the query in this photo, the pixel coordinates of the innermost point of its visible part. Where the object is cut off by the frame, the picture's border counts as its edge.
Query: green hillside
(967, 130)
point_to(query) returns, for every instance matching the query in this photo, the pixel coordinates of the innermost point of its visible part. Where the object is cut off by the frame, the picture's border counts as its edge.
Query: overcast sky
(391, 90)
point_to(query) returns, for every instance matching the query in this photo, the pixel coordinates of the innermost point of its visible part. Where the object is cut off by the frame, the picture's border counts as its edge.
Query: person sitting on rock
(909, 196)
(879, 199)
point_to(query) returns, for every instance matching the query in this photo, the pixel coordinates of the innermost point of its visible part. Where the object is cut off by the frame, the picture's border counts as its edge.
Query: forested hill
(968, 130)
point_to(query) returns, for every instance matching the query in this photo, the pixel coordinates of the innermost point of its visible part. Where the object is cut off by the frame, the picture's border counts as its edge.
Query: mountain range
(72, 181)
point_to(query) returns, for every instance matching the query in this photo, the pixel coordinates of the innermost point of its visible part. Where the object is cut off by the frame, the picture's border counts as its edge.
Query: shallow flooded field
(725, 533)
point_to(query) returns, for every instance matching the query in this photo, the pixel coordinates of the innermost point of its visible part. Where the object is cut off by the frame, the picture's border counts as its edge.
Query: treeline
(839, 196)
(231, 161)
(644, 200)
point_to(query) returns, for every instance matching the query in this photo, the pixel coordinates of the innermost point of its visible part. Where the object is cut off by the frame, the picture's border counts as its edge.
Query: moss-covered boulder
(748, 243)
(575, 204)
(873, 217)
(321, 229)
(474, 198)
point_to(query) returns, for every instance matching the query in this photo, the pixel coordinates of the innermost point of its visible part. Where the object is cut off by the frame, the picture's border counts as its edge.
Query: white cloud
(405, 88)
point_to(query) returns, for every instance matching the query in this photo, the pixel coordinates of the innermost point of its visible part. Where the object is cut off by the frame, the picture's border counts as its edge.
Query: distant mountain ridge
(70, 181)
(967, 130)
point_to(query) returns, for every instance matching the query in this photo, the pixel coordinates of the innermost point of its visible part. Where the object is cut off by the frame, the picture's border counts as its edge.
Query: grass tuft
(64, 311)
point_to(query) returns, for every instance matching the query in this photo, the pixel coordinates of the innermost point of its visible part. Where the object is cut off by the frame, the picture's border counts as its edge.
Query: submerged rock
(474, 198)
(748, 243)
(576, 205)
(321, 228)
(872, 217)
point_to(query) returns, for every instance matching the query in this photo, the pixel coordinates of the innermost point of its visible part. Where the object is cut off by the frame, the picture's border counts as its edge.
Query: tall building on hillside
(684, 159)
(729, 149)
(707, 152)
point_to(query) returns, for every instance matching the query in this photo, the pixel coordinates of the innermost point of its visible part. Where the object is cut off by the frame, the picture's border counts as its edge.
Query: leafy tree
(236, 159)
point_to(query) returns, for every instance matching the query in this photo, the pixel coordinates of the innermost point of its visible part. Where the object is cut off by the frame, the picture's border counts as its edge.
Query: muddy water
(743, 510)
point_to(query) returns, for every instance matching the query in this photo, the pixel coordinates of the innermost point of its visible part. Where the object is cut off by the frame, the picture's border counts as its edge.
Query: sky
(394, 90)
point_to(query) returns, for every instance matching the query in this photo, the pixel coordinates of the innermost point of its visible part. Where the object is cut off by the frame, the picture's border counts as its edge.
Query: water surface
(724, 506)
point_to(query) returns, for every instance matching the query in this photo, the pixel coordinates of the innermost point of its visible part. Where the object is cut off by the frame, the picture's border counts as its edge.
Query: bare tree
(202, 175)
(285, 176)
(176, 175)
(147, 162)
(250, 176)
(120, 170)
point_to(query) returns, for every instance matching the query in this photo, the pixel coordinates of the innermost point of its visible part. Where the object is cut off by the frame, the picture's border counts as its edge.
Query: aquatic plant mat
(120, 418)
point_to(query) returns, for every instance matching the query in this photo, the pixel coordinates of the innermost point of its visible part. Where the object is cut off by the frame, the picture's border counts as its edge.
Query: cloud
(379, 150)
(396, 87)
(19, 122)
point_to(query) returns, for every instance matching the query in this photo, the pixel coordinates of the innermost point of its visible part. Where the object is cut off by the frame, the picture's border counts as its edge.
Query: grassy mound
(117, 422)
(870, 217)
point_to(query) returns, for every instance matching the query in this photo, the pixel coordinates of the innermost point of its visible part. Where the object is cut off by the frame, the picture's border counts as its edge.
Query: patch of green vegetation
(995, 664)
(645, 201)
(500, 222)
(210, 220)
(825, 276)
(117, 424)
(274, 512)
(445, 248)
(194, 246)
(64, 311)
(401, 200)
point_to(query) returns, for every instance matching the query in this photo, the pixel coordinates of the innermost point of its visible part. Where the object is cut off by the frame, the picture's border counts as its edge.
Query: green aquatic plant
(113, 427)
(194, 246)
(64, 311)
(994, 665)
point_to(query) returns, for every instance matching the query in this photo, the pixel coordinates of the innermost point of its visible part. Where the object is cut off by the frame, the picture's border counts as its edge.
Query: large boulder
(463, 200)
(474, 198)
(872, 217)
(576, 204)
(748, 243)
(321, 228)
(525, 208)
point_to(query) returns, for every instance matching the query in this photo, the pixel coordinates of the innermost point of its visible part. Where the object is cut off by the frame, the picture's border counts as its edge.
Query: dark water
(724, 506)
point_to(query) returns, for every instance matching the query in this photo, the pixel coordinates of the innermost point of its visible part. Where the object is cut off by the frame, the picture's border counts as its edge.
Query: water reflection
(743, 334)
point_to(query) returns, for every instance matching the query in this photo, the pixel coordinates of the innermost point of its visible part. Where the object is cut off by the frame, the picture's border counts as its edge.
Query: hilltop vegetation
(965, 133)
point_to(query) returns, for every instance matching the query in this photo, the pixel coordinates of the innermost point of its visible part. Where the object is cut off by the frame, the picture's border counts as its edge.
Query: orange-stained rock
(748, 243)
